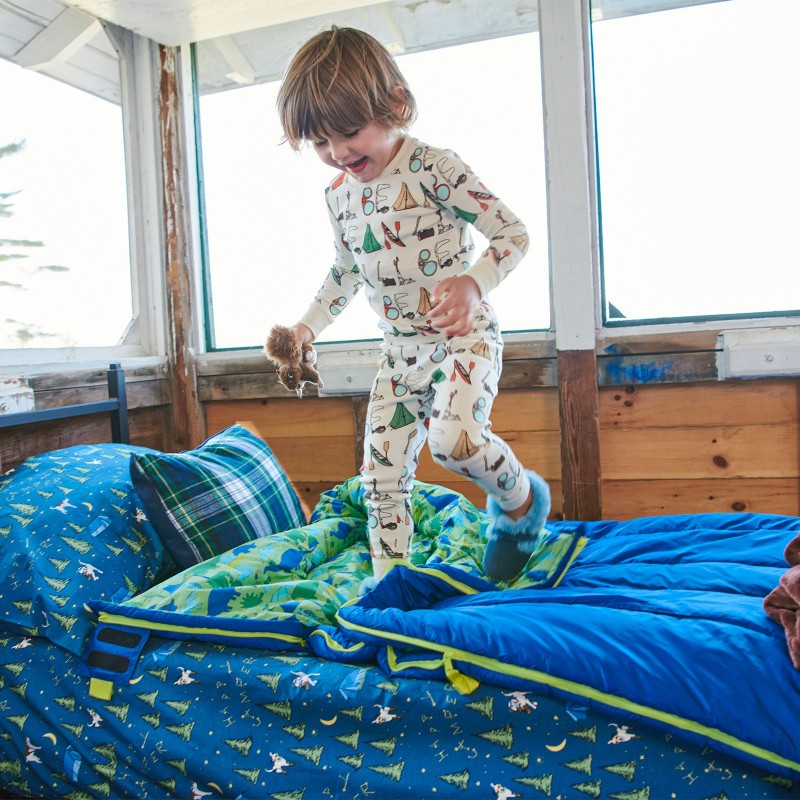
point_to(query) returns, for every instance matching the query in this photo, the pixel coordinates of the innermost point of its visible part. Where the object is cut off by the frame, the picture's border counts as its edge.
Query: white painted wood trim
(146, 333)
(139, 69)
(242, 71)
(61, 39)
(27, 362)
(569, 166)
(754, 353)
(178, 22)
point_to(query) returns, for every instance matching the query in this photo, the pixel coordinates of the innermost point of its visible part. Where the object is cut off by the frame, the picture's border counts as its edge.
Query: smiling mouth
(357, 166)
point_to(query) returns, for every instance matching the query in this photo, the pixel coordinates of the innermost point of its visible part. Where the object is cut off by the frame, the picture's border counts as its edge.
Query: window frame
(144, 338)
(565, 30)
(633, 325)
(578, 315)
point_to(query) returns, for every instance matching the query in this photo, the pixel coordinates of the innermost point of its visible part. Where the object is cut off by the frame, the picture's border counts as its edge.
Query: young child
(401, 212)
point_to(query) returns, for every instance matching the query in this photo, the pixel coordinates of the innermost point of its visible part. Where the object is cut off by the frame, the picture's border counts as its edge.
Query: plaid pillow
(227, 491)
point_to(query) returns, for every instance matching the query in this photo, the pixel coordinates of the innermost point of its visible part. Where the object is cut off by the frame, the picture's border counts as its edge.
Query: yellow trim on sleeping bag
(465, 685)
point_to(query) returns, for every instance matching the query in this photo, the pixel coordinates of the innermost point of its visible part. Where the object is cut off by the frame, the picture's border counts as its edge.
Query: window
(269, 238)
(64, 233)
(697, 128)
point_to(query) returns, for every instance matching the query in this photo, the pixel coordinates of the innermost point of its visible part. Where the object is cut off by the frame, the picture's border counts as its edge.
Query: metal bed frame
(116, 405)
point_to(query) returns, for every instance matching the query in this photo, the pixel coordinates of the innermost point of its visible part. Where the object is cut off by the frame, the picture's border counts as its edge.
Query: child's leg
(461, 439)
(513, 537)
(393, 437)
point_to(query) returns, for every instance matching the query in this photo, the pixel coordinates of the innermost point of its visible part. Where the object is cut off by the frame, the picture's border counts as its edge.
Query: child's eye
(352, 134)
(319, 143)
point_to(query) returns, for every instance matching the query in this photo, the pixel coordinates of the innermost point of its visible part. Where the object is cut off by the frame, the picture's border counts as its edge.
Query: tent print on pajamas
(402, 417)
(371, 244)
(425, 304)
(465, 448)
(520, 241)
(481, 349)
(405, 199)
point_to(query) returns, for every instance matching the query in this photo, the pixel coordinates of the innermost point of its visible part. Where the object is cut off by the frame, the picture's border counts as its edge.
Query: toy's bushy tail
(282, 346)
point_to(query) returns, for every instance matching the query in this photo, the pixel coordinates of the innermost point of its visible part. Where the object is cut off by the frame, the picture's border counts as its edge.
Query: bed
(171, 625)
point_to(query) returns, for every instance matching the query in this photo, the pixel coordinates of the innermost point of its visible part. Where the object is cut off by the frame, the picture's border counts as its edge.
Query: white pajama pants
(440, 390)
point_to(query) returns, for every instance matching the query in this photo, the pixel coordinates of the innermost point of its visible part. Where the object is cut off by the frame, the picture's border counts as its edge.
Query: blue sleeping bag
(658, 618)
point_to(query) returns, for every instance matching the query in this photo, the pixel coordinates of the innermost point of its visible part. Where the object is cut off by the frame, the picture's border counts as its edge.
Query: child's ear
(399, 100)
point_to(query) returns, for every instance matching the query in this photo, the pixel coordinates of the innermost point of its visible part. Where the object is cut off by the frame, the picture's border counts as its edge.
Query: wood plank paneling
(140, 394)
(747, 451)
(517, 410)
(285, 417)
(658, 368)
(311, 437)
(148, 396)
(666, 339)
(212, 388)
(316, 439)
(328, 459)
(689, 448)
(722, 446)
(763, 402)
(644, 498)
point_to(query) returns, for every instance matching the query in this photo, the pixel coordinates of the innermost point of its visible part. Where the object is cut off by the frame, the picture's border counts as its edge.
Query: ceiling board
(176, 22)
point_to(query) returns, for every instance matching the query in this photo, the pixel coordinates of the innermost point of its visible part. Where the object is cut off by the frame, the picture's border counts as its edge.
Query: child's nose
(339, 149)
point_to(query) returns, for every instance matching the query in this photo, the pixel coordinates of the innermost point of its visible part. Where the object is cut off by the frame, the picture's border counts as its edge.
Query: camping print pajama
(399, 236)
(442, 392)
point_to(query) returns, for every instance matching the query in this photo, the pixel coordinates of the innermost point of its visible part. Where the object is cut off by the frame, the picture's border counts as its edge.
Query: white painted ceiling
(176, 22)
(251, 41)
(238, 41)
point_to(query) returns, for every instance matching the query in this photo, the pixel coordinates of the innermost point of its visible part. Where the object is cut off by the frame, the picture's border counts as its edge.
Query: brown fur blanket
(783, 603)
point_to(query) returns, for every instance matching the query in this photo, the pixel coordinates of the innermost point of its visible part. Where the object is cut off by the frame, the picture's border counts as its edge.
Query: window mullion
(139, 93)
(570, 171)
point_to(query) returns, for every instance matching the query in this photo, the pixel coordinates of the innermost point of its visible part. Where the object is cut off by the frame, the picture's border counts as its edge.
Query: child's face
(363, 153)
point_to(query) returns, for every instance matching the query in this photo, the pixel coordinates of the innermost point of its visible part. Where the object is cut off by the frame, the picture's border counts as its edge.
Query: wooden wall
(148, 413)
(318, 440)
(686, 448)
(665, 449)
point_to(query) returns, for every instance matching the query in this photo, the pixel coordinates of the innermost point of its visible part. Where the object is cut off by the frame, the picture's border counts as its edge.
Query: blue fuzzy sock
(511, 541)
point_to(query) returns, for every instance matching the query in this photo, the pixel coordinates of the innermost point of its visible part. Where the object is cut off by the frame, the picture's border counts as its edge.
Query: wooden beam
(188, 423)
(63, 37)
(580, 434)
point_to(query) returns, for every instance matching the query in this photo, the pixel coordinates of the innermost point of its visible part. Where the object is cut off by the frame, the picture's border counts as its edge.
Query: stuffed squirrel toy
(295, 362)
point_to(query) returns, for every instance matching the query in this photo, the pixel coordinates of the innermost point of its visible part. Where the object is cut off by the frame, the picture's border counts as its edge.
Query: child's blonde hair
(339, 81)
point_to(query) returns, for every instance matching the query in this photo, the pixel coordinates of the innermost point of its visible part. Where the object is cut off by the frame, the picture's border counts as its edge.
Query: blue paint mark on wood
(618, 371)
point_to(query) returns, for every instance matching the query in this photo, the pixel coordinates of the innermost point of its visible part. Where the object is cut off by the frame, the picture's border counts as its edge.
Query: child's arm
(341, 284)
(470, 200)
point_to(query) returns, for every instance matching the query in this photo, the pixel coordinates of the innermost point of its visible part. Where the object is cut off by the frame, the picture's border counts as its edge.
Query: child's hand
(455, 300)
(302, 333)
